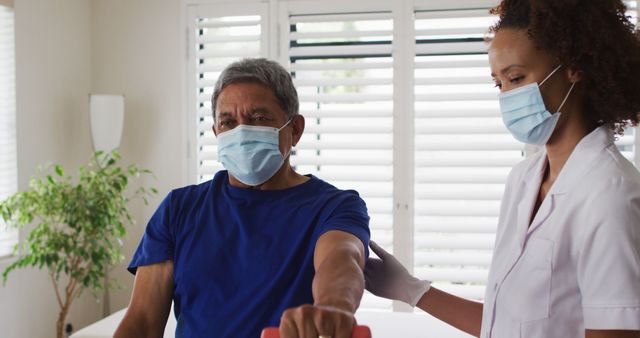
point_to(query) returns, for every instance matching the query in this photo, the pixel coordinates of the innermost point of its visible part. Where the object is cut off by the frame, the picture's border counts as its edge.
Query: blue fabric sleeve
(157, 244)
(350, 216)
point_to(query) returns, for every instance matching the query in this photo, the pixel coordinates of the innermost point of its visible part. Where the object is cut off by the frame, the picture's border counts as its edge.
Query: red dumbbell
(358, 332)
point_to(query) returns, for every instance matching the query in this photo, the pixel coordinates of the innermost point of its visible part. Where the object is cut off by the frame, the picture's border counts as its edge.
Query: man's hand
(313, 321)
(386, 277)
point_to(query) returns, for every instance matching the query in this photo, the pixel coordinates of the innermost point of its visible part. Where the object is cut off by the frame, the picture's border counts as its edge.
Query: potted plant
(78, 225)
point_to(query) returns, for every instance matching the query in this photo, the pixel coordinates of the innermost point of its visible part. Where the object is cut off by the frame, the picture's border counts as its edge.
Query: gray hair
(266, 72)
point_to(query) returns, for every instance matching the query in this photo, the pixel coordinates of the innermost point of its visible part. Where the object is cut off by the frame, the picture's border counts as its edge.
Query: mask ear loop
(290, 150)
(291, 119)
(566, 97)
(550, 74)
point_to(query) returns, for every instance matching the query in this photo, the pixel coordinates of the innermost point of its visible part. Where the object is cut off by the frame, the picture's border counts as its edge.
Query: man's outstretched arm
(338, 286)
(150, 303)
(339, 261)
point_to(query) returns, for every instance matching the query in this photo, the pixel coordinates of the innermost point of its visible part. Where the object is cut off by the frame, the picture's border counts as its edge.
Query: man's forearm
(339, 280)
(130, 328)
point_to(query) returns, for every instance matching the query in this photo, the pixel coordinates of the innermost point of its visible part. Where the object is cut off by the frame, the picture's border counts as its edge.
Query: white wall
(138, 51)
(53, 70)
(67, 49)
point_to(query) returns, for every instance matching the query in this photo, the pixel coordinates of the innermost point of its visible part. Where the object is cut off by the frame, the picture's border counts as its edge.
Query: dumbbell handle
(360, 331)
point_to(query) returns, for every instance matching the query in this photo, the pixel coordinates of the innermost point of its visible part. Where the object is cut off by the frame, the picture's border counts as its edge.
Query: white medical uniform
(576, 266)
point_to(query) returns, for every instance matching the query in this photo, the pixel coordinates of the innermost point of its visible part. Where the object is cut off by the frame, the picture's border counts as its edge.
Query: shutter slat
(228, 24)
(453, 275)
(466, 126)
(459, 258)
(294, 19)
(452, 242)
(351, 65)
(453, 80)
(456, 113)
(456, 224)
(207, 38)
(314, 82)
(466, 291)
(480, 96)
(457, 208)
(488, 192)
(440, 32)
(356, 98)
(480, 144)
(470, 175)
(320, 113)
(457, 14)
(339, 35)
(231, 53)
(343, 160)
(336, 51)
(443, 48)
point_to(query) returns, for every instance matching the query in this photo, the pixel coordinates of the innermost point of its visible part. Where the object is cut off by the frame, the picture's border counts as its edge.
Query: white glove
(387, 278)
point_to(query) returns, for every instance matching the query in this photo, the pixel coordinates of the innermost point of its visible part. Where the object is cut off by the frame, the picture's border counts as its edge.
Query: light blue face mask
(251, 154)
(525, 115)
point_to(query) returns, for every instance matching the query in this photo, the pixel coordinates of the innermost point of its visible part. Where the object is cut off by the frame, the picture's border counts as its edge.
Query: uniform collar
(578, 163)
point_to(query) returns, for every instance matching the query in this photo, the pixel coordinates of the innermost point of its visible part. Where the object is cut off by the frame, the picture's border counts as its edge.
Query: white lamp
(106, 113)
(107, 118)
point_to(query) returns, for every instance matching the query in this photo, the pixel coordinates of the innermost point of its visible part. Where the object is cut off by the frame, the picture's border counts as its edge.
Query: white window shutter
(629, 142)
(342, 68)
(463, 152)
(8, 159)
(218, 37)
(342, 65)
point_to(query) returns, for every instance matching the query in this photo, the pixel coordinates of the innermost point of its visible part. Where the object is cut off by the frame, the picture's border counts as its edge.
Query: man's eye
(260, 119)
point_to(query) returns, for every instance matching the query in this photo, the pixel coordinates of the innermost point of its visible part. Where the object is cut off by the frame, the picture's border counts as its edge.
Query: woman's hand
(387, 278)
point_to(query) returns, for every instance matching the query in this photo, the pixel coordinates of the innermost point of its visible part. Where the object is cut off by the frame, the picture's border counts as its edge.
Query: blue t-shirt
(241, 256)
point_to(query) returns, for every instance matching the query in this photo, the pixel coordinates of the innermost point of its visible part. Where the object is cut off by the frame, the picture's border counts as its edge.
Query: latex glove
(387, 278)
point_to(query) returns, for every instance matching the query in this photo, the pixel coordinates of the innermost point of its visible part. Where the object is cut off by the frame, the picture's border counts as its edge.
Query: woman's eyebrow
(506, 69)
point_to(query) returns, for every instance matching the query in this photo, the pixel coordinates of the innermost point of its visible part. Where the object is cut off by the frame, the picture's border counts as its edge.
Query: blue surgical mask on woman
(525, 115)
(251, 154)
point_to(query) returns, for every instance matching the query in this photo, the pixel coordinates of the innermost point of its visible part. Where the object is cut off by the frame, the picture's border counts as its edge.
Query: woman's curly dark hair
(594, 36)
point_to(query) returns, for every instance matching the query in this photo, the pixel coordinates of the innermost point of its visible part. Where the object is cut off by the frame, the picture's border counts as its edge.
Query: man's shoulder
(193, 192)
(320, 186)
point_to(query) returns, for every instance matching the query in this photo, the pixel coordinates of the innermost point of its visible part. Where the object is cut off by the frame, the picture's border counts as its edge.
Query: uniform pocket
(526, 291)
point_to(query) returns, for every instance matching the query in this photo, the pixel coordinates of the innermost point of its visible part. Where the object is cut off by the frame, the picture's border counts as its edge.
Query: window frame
(17, 234)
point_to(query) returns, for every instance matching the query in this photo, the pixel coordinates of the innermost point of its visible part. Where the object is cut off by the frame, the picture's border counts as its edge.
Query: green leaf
(59, 170)
(81, 218)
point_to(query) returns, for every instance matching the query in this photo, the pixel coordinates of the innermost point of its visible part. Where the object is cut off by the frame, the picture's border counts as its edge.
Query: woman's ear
(574, 74)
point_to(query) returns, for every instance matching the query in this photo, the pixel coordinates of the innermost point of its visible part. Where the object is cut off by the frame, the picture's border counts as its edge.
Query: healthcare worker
(566, 261)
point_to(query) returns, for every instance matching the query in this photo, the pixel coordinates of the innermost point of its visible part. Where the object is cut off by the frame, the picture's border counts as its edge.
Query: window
(343, 70)
(629, 144)
(463, 152)
(218, 36)
(8, 165)
(399, 105)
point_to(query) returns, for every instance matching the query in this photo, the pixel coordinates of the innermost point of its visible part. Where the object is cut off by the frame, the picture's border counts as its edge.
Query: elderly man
(259, 245)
